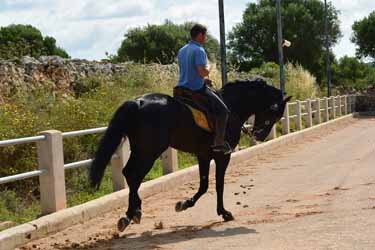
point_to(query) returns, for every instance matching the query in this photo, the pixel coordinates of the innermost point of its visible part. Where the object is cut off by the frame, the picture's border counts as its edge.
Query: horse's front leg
(222, 162)
(204, 167)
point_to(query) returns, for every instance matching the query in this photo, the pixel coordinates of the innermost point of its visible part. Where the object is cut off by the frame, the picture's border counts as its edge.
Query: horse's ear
(288, 99)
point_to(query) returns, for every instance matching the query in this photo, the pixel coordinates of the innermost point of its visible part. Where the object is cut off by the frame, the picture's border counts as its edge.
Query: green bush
(299, 83)
(15, 122)
(17, 40)
(86, 85)
(159, 44)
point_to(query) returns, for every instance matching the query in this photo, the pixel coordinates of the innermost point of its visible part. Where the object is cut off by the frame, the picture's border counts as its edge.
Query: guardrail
(51, 166)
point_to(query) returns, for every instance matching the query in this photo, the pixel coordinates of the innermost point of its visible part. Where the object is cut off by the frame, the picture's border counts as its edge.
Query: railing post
(299, 116)
(317, 113)
(285, 121)
(340, 108)
(309, 121)
(354, 101)
(326, 110)
(169, 161)
(52, 183)
(118, 163)
(333, 107)
(345, 104)
(272, 134)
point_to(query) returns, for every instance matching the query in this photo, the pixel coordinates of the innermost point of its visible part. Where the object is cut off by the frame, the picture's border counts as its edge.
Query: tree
(50, 48)
(321, 72)
(254, 41)
(364, 36)
(351, 72)
(25, 40)
(159, 43)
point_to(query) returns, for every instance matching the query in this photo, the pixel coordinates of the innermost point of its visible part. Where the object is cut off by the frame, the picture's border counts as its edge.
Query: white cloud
(85, 32)
(351, 11)
(116, 9)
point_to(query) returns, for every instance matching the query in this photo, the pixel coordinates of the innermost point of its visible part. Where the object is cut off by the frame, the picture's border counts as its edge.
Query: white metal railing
(51, 165)
(21, 141)
(22, 176)
(84, 132)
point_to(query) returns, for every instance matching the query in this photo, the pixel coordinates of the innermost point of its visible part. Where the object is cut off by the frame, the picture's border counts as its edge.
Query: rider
(194, 70)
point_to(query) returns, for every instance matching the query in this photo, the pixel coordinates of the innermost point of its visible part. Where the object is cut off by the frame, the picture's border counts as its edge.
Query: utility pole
(328, 63)
(280, 45)
(223, 52)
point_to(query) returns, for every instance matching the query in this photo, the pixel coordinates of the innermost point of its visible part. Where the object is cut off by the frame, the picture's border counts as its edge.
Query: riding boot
(220, 145)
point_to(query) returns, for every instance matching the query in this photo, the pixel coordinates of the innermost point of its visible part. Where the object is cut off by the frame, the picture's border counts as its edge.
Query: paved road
(315, 194)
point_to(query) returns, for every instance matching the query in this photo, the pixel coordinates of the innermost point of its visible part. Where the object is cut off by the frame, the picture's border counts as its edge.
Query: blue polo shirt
(189, 57)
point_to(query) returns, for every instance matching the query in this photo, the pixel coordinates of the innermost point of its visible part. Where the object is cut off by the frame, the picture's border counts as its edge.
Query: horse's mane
(257, 83)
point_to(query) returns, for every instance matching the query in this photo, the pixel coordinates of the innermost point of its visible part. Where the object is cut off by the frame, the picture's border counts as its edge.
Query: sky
(89, 28)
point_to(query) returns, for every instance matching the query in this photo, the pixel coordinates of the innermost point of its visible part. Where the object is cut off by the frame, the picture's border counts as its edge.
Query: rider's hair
(197, 29)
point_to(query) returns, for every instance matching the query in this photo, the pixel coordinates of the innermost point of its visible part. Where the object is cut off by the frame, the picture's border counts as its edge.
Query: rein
(244, 130)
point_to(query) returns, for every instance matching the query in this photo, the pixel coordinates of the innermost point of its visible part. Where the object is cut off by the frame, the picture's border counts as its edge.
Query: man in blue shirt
(192, 61)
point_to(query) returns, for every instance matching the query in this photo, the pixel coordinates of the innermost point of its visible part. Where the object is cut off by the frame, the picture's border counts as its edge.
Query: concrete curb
(16, 236)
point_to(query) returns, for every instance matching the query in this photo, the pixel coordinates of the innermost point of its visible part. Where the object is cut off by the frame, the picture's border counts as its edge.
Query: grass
(16, 209)
(13, 208)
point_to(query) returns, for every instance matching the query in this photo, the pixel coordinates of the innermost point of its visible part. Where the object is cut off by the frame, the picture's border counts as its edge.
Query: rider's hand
(208, 82)
(208, 67)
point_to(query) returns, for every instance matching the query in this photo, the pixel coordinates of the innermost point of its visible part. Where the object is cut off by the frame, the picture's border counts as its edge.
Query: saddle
(199, 106)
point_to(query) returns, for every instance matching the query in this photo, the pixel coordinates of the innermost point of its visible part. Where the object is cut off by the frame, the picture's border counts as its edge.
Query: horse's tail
(118, 127)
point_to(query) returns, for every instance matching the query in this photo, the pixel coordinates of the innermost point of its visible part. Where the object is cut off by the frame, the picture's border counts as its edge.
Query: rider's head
(198, 33)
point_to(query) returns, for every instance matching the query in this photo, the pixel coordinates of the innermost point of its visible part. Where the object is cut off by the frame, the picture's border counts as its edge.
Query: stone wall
(28, 72)
(365, 103)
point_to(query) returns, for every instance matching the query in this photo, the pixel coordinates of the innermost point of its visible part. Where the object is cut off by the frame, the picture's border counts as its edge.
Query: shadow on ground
(156, 239)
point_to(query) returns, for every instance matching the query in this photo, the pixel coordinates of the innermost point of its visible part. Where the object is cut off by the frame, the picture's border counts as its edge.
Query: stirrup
(225, 148)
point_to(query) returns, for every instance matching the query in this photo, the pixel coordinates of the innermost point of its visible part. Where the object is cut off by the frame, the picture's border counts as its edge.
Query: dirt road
(316, 194)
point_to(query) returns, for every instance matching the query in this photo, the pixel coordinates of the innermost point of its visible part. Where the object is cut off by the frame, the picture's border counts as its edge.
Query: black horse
(154, 122)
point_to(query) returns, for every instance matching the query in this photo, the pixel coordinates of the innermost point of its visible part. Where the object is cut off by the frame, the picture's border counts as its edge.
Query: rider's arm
(201, 63)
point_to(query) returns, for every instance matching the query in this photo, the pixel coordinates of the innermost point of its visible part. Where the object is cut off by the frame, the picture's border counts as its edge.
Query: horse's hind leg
(135, 171)
(221, 167)
(204, 167)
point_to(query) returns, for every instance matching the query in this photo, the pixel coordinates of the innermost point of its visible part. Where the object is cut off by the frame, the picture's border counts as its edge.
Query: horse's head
(266, 118)
(256, 97)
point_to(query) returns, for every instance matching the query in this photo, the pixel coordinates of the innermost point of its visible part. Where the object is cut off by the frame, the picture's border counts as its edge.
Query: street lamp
(223, 52)
(328, 63)
(286, 43)
(280, 44)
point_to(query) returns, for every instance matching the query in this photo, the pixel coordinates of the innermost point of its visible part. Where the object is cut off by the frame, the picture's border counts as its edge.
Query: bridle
(244, 129)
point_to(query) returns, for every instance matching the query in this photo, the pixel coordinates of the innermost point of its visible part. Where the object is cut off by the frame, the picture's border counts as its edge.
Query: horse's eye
(275, 107)
(267, 122)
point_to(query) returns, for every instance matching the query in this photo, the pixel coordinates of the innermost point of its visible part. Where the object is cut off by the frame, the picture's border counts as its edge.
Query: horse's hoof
(179, 206)
(137, 217)
(228, 216)
(183, 205)
(122, 224)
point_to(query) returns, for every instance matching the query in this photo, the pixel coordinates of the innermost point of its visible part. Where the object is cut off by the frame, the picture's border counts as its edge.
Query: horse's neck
(240, 112)
(235, 123)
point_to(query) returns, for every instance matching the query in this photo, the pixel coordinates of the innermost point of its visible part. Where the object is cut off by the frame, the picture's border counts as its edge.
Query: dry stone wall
(28, 72)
